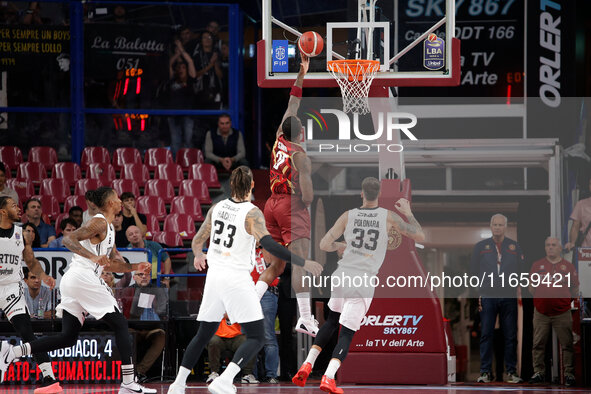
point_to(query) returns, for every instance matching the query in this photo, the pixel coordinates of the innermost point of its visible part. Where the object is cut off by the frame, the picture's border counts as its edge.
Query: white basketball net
(354, 78)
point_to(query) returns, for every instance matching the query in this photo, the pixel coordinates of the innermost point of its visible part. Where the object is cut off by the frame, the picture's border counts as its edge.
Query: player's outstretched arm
(33, 264)
(95, 227)
(118, 264)
(412, 229)
(199, 240)
(295, 97)
(255, 226)
(327, 243)
(304, 167)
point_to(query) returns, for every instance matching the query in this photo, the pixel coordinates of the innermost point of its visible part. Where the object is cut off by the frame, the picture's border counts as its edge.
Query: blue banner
(279, 56)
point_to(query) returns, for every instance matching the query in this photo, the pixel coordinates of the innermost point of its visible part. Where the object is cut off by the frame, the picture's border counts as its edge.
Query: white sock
(332, 368)
(312, 356)
(22, 350)
(230, 372)
(261, 287)
(181, 377)
(127, 373)
(47, 370)
(304, 305)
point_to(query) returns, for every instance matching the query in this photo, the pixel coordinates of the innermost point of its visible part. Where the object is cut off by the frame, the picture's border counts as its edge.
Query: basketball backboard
(360, 29)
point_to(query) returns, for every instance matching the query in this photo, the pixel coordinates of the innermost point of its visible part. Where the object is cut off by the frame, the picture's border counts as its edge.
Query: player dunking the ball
(14, 246)
(366, 239)
(84, 292)
(286, 211)
(233, 226)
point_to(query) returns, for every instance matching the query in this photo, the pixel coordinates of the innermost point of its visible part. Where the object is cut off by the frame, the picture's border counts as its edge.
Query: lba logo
(388, 122)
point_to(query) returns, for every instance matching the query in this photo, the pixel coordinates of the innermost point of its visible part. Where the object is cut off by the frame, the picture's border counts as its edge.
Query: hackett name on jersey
(7, 258)
(226, 215)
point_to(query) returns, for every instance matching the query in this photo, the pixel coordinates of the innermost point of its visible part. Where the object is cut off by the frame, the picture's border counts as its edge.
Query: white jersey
(11, 254)
(366, 236)
(230, 246)
(105, 247)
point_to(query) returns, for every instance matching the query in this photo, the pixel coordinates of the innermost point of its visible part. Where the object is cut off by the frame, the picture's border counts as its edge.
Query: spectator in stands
(34, 211)
(109, 278)
(490, 258)
(5, 190)
(228, 339)
(8, 14)
(38, 297)
(269, 305)
(156, 337)
(92, 208)
(224, 148)
(213, 27)
(119, 14)
(31, 228)
(120, 237)
(137, 240)
(187, 38)
(131, 217)
(209, 73)
(76, 214)
(581, 217)
(181, 95)
(32, 15)
(552, 309)
(67, 225)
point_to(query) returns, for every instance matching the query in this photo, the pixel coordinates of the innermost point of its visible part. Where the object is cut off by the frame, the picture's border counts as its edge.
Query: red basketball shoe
(329, 385)
(302, 375)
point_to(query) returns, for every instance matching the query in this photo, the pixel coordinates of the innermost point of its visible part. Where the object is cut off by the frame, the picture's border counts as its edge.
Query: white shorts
(352, 310)
(230, 292)
(83, 293)
(12, 300)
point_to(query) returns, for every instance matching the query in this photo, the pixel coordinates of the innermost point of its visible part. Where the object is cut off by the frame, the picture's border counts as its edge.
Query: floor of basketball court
(286, 388)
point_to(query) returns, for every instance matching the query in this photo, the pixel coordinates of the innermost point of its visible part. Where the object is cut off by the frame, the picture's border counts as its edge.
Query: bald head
(134, 236)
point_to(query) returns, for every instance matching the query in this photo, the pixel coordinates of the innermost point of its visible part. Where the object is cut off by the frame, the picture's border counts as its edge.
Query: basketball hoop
(354, 77)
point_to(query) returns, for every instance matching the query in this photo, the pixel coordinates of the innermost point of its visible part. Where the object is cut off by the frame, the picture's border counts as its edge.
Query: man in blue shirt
(33, 210)
(496, 259)
(136, 240)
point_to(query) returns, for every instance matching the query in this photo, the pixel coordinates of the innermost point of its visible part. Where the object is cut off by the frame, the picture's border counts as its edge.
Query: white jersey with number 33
(230, 245)
(366, 235)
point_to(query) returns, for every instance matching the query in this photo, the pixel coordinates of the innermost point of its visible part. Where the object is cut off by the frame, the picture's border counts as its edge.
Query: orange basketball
(311, 44)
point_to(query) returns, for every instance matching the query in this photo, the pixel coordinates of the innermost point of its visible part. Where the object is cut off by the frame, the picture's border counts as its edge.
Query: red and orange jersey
(284, 174)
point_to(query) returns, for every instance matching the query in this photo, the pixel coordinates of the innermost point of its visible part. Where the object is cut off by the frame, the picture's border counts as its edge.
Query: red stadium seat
(180, 224)
(75, 200)
(35, 172)
(187, 205)
(83, 185)
(161, 188)
(11, 155)
(155, 156)
(125, 156)
(125, 185)
(49, 206)
(57, 188)
(94, 154)
(7, 173)
(169, 238)
(186, 157)
(67, 170)
(171, 171)
(195, 188)
(136, 171)
(23, 187)
(153, 226)
(45, 155)
(152, 205)
(58, 221)
(104, 172)
(205, 172)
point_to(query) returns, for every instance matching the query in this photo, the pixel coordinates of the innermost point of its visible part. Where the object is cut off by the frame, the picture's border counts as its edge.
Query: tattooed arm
(118, 264)
(199, 240)
(412, 229)
(96, 228)
(255, 226)
(33, 263)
